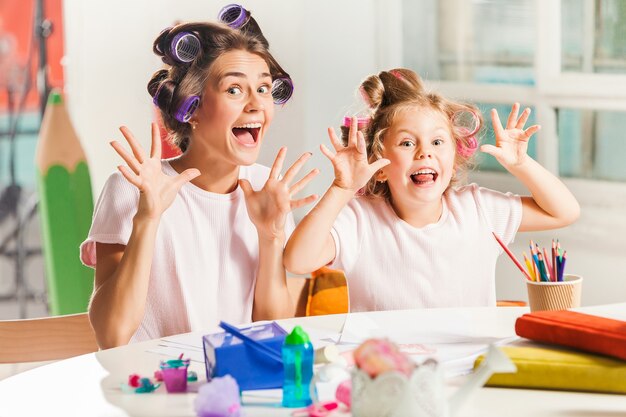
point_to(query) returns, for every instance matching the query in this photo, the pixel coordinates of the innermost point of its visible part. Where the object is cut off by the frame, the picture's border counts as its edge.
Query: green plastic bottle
(298, 355)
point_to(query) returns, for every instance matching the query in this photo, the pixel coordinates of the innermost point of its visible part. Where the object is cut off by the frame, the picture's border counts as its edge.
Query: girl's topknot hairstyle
(189, 50)
(391, 92)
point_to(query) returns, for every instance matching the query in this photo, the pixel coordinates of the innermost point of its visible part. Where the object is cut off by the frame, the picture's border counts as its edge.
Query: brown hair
(182, 80)
(391, 92)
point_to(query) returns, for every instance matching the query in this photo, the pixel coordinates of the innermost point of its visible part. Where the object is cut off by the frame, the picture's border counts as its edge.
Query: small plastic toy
(218, 398)
(174, 374)
(138, 385)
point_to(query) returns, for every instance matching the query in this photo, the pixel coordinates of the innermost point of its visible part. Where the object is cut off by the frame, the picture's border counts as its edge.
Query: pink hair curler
(361, 121)
(467, 123)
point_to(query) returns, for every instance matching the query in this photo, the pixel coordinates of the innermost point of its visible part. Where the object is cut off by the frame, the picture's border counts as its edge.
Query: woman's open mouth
(424, 176)
(247, 134)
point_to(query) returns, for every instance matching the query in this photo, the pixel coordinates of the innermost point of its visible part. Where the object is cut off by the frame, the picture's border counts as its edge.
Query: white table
(88, 385)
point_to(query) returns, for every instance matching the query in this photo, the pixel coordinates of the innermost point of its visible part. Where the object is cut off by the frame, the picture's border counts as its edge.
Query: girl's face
(236, 109)
(421, 149)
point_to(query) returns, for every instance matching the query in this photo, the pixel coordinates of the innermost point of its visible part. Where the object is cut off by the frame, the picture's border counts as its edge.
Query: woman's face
(236, 108)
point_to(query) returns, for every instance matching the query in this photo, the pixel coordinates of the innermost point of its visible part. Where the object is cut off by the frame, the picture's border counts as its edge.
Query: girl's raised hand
(157, 190)
(269, 206)
(511, 142)
(352, 169)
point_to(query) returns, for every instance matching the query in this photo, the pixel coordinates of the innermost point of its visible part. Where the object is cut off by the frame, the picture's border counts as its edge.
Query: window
(564, 59)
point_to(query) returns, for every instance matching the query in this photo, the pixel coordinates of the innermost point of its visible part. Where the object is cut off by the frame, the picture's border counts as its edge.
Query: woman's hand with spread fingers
(157, 190)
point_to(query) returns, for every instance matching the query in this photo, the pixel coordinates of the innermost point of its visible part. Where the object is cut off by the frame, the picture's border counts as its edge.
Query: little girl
(180, 244)
(412, 239)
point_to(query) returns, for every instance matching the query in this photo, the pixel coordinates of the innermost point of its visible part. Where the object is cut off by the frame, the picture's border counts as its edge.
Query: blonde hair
(391, 92)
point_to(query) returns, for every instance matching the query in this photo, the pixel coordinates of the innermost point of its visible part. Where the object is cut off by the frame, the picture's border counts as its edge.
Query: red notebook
(577, 330)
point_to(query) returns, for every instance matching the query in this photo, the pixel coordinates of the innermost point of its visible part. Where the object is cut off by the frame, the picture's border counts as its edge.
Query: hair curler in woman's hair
(361, 121)
(184, 112)
(467, 124)
(282, 89)
(237, 17)
(233, 15)
(185, 47)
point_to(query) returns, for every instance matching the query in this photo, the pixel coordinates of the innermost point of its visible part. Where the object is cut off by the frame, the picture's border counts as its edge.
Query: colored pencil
(531, 269)
(513, 258)
(563, 266)
(66, 208)
(546, 259)
(554, 265)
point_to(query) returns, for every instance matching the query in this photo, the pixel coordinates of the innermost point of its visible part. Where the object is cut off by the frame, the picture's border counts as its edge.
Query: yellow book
(559, 369)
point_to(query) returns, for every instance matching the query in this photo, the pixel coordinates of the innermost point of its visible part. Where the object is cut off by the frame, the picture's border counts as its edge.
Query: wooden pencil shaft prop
(66, 208)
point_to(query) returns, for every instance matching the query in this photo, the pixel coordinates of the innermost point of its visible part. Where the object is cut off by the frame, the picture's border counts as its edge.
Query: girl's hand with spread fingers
(268, 207)
(511, 142)
(352, 169)
(157, 190)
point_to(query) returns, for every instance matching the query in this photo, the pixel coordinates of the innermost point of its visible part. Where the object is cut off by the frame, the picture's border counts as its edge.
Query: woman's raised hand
(511, 142)
(352, 169)
(269, 206)
(157, 190)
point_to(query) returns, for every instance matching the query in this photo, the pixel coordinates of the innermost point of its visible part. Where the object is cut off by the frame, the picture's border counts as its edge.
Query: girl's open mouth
(424, 176)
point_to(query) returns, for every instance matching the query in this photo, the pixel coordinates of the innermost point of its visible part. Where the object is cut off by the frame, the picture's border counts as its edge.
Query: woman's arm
(311, 245)
(123, 272)
(551, 204)
(121, 285)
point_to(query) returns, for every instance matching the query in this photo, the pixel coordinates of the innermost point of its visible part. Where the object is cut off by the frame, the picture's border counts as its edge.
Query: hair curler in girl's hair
(467, 124)
(361, 121)
(185, 47)
(467, 146)
(282, 89)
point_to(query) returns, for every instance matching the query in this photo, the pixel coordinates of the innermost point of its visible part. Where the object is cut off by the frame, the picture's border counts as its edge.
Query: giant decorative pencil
(66, 207)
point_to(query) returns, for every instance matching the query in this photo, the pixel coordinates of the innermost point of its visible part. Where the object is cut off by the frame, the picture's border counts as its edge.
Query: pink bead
(133, 380)
(344, 392)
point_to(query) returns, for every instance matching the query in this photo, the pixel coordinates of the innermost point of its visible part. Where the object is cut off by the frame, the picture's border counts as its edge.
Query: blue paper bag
(253, 368)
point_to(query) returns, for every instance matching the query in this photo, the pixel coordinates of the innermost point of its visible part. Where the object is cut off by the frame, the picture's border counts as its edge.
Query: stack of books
(589, 353)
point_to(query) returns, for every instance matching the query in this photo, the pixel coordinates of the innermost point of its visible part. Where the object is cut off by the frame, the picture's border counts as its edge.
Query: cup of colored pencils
(549, 288)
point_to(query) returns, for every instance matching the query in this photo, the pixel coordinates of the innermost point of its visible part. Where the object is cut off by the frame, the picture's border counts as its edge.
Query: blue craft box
(252, 368)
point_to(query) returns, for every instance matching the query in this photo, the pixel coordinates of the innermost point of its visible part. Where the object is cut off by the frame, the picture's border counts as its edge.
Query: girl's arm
(311, 245)
(551, 204)
(122, 272)
(268, 209)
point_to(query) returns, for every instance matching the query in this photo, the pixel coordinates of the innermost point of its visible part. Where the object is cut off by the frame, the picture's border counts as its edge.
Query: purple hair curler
(155, 98)
(233, 15)
(185, 47)
(361, 121)
(185, 111)
(282, 89)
